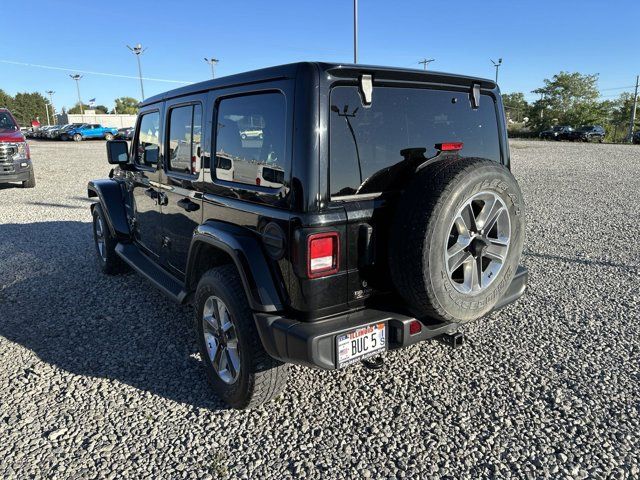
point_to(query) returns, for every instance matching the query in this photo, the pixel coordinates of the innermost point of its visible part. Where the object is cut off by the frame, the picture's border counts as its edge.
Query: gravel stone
(100, 376)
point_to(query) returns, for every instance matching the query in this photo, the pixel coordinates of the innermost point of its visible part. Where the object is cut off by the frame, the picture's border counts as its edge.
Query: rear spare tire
(456, 238)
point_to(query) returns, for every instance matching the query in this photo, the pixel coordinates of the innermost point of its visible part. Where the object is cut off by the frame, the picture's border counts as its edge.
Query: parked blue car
(89, 131)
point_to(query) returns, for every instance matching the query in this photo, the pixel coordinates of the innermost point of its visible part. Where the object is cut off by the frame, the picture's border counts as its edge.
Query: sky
(535, 38)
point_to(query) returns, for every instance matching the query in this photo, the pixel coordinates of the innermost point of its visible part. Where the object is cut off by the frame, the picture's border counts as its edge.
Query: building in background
(104, 119)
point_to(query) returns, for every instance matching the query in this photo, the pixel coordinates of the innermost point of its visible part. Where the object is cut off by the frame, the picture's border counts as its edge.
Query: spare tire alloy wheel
(456, 239)
(221, 340)
(478, 243)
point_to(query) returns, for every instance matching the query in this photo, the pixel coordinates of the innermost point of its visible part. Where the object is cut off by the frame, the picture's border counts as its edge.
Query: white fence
(90, 116)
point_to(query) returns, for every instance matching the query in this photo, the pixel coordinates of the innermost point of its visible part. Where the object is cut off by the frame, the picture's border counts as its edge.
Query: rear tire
(31, 182)
(77, 137)
(443, 262)
(250, 377)
(108, 136)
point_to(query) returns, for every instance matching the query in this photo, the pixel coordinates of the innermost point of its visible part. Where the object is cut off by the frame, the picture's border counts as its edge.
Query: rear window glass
(372, 148)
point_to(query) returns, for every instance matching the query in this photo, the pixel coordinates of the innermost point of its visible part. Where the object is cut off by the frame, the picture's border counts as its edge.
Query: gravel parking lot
(99, 376)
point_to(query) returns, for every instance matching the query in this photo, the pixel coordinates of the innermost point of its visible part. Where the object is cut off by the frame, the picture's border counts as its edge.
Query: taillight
(415, 327)
(323, 252)
(449, 146)
(258, 181)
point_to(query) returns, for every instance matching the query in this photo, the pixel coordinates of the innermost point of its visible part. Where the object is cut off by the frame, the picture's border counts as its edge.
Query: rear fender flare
(109, 194)
(245, 249)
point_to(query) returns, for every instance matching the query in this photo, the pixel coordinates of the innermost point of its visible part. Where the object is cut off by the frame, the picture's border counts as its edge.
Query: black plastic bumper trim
(313, 343)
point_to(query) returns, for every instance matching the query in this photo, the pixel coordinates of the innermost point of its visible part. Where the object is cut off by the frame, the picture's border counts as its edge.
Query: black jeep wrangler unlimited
(373, 209)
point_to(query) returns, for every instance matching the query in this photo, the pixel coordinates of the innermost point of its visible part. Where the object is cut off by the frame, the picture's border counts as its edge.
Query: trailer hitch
(454, 340)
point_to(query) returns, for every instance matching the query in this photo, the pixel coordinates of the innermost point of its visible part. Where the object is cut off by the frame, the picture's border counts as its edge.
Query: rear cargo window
(373, 149)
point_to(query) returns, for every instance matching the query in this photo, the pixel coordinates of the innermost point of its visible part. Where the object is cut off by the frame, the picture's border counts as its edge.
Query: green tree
(569, 99)
(101, 109)
(76, 109)
(6, 100)
(516, 107)
(126, 106)
(31, 106)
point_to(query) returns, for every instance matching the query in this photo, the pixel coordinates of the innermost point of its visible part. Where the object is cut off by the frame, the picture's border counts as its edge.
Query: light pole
(77, 78)
(53, 109)
(425, 62)
(497, 65)
(213, 62)
(633, 109)
(355, 31)
(137, 51)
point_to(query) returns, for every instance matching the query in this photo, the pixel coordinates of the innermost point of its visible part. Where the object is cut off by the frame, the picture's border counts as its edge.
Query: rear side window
(147, 148)
(251, 139)
(372, 148)
(185, 130)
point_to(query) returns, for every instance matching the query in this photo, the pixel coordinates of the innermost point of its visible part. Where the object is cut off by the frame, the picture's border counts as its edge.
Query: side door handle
(151, 193)
(188, 205)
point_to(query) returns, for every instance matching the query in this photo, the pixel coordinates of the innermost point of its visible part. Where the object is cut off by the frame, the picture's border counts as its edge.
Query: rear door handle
(188, 205)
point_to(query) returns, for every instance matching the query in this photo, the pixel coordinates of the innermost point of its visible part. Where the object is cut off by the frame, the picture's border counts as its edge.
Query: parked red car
(15, 158)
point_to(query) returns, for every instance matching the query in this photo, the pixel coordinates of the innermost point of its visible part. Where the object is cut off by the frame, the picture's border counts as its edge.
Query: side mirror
(117, 152)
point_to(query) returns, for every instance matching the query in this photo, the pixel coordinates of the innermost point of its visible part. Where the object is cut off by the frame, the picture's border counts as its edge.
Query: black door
(180, 203)
(145, 183)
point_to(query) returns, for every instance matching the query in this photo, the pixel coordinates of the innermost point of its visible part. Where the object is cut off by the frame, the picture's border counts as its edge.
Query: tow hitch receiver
(454, 340)
(374, 363)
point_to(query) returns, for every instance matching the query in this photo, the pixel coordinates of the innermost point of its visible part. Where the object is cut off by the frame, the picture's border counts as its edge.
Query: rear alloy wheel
(221, 339)
(108, 136)
(77, 137)
(238, 368)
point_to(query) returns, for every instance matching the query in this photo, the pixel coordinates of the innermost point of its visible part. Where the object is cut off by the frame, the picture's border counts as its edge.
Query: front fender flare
(246, 251)
(109, 193)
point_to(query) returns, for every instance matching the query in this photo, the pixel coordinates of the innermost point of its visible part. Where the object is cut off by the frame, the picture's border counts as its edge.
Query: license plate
(361, 343)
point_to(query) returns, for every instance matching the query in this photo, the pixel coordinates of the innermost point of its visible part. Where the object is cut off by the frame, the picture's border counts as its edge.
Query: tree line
(27, 107)
(569, 99)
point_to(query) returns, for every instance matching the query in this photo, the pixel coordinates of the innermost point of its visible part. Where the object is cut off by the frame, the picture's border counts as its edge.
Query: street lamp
(77, 78)
(497, 65)
(137, 51)
(355, 31)
(213, 62)
(425, 62)
(53, 110)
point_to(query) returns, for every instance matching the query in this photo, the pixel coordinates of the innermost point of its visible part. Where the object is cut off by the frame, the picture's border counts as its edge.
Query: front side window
(6, 122)
(147, 149)
(185, 130)
(250, 140)
(375, 149)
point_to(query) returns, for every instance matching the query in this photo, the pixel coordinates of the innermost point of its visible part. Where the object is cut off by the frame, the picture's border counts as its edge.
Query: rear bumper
(314, 343)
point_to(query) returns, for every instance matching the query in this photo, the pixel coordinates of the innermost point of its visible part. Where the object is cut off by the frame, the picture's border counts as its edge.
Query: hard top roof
(335, 69)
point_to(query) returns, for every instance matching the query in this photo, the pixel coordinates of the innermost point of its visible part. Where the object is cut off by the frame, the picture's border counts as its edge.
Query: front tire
(31, 182)
(108, 260)
(108, 136)
(240, 371)
(77, 137)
